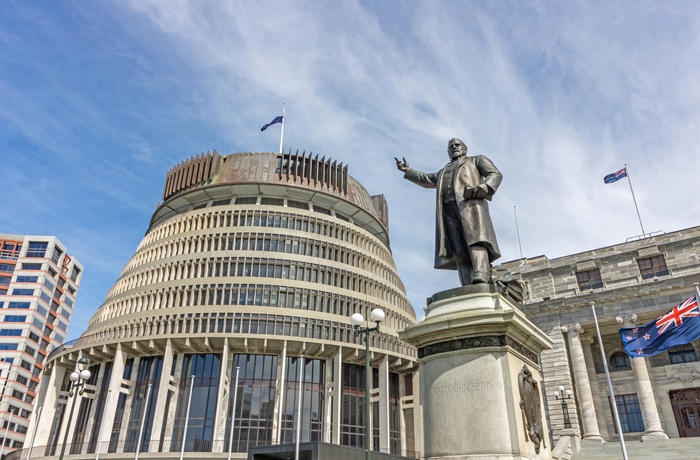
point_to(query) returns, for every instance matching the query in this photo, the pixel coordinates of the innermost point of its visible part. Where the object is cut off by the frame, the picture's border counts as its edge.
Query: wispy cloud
(102, 99)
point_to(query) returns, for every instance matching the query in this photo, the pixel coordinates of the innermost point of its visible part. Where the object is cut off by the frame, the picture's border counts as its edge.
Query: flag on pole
(677, 327)
(279, 119)
(616, 176)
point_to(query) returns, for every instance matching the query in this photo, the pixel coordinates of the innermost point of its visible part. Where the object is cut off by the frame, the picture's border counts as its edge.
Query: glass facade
(206, 369)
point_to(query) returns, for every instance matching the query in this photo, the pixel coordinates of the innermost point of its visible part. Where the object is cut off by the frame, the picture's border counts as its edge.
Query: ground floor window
(630, 413)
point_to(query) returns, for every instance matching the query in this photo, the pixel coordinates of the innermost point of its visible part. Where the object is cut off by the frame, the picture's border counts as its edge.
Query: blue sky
(100, 99)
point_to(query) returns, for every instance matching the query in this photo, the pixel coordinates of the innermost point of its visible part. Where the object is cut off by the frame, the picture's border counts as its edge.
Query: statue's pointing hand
(402, 165)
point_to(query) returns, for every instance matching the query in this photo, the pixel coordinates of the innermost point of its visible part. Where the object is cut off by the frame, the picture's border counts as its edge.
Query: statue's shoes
(479, 278)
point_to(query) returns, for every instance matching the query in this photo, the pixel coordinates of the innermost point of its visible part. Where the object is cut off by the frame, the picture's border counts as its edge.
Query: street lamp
(77, 380)
(563, 396)
(357, 320)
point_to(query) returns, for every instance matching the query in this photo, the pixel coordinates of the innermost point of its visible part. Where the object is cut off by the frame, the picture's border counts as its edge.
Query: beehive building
(251, 262)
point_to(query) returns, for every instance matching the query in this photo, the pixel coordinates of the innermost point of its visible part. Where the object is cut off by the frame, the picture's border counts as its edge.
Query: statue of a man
(465, 238)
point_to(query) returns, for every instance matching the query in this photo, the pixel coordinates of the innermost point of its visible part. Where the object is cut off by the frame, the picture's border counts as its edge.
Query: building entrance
(686, 410)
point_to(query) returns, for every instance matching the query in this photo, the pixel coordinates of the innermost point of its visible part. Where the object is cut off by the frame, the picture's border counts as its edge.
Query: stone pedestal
(473, 344)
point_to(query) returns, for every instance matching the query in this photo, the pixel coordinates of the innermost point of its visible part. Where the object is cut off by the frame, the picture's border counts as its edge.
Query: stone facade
(629, 283)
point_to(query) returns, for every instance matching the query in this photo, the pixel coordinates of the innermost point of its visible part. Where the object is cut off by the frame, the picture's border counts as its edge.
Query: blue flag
(279, 119)
(616, 176)
(677, 327)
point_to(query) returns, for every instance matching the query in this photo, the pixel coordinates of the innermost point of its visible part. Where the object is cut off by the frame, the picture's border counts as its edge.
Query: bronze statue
(465, 239)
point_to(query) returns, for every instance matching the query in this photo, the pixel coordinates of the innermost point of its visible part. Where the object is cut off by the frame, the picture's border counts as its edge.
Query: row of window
(252, 294)
(620, 361)
(265, 268)
(650, 267)
(192, 323)
(273, 219)
(267, 242)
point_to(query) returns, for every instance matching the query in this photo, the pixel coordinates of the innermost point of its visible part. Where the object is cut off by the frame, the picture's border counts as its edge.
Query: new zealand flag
(616, 176)
(279, 119)
(677, 327)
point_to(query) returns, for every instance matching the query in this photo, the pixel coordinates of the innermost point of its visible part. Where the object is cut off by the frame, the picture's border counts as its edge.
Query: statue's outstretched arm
(401, 164)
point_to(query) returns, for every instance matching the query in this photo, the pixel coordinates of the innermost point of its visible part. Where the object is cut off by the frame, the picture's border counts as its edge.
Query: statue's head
(456, 148)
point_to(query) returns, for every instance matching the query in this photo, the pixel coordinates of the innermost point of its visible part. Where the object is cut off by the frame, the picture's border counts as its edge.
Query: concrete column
(330, 392)
(583, 386)
(586, 341)
(129, 402)
(402, 416)
(50, 386)
(384, 432)
(93, 407)
(69, 424)
(280, 393)
(110, 407)
(338, 398)
(222, 401)
(172, 409)
(162, 395)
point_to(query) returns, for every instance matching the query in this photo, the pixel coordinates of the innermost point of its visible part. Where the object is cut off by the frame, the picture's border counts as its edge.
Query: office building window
(36, 249)
(26, 266)
(651, 267)
(589, 279)
(11, 332)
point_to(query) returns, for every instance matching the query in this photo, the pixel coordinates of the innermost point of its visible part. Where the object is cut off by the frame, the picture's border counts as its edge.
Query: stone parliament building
(254, 260)
(630, 283)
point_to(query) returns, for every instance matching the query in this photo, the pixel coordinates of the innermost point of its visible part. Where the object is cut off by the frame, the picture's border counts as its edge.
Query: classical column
(586, 341)
(645, 392)
(583, 385)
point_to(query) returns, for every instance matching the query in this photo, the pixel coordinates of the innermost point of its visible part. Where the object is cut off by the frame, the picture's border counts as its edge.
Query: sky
(98, 100)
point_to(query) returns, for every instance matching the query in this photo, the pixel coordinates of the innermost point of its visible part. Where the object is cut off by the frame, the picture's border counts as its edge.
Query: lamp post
(357, 320)
(77, 380)
(563, 396)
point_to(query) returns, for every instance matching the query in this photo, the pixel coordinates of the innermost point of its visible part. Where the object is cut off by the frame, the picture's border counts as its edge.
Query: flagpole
(629, 180)
(284, 107)
(697, 292)
(616, 416)
(517, 228)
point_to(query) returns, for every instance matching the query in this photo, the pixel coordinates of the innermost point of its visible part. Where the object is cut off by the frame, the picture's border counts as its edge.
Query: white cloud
(106, 99)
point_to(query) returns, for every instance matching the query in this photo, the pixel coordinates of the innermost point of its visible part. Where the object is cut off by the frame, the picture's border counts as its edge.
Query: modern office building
(252, 265)
(631, 283)
(38, 286)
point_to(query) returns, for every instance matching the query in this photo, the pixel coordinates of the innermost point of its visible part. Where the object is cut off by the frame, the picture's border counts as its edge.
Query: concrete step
(671, 449)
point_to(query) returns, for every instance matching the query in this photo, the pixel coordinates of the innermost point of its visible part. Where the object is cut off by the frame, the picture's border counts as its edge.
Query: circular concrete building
(251, 265)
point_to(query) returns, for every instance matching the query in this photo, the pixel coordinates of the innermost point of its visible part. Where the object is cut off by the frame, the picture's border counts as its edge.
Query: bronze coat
(476, 221)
